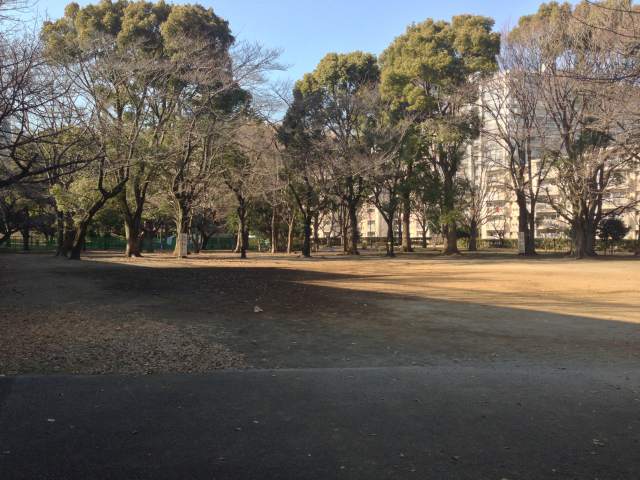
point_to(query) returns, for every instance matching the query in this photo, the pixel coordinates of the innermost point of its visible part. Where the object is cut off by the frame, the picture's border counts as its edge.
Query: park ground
(476, 366)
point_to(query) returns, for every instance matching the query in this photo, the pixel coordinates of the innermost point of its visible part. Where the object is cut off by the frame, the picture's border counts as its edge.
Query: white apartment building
(485, 164)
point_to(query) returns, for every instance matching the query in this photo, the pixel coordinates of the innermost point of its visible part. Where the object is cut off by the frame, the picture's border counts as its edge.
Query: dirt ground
(108, 314)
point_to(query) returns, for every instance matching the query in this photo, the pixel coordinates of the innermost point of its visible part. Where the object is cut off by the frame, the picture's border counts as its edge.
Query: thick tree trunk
(406, 222)
(306, 242)
(245, 241)
(583, 239)
(353, 226)
(133, 217)
(579, 241)
(450, 238)
(133, 235)
(424, 236)
(79, 239)
(523, 224)
(181, 249)
(82, 226)
(473, 236)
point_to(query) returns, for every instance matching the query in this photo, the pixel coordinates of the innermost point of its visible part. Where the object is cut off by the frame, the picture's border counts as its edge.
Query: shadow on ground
(300, 325)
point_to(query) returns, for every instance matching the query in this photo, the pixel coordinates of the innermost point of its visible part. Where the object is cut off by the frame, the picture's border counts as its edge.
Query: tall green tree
(342, 83)
(302, 137)
(432, 70)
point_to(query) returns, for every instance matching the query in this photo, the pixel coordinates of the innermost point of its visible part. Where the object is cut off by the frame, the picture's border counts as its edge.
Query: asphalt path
(370, 423)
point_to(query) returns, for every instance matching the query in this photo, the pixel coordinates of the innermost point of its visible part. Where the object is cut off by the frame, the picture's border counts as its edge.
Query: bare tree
(479, 192)
(27, 91)
(387, 148)
(305, 166)
(243, 169)
(594, 147)
(515, 130)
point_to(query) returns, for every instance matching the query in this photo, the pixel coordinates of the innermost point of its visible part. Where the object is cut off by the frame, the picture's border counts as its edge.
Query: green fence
(34, 244)
(117, 244)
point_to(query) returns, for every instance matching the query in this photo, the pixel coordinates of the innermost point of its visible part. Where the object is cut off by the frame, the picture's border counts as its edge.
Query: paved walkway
(379, 423)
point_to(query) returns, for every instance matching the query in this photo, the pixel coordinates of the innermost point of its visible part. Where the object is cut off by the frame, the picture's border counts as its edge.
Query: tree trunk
(181, 249)
(306, 243)
(243, 232)
(25, 238)
(78, 240)
(245, 241)
(194, 239)
(450, 234)
(579, 240)
(25, 230)
(406, 222)
(390, 238)
(133, 235)
(473, 236)
(353, 225)
(424, 236)
(69, 234)
(274, 231)
(450, 238)
(292, 222)
(6, 237)
(236, 249)
(531, 245)
(59, 233)
(591, 240)
(205, 240)
(524, 224)
(148, 235)
(81, 227)
(344, 227)
(316, 234)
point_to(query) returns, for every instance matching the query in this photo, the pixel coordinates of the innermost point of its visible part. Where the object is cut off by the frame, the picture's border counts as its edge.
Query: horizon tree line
(154, 116)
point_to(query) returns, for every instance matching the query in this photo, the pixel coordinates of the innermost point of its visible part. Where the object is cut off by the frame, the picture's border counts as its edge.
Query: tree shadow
(303, 324)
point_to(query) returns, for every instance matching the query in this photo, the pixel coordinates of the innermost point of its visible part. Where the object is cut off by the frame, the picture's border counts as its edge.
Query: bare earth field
(479, 367)
(108, 314)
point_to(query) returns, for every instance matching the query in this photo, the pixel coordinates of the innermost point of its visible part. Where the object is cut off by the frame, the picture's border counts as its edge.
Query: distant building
(484, 162)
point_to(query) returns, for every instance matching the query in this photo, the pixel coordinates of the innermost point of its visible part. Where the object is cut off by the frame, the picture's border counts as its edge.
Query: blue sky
(308, 29)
